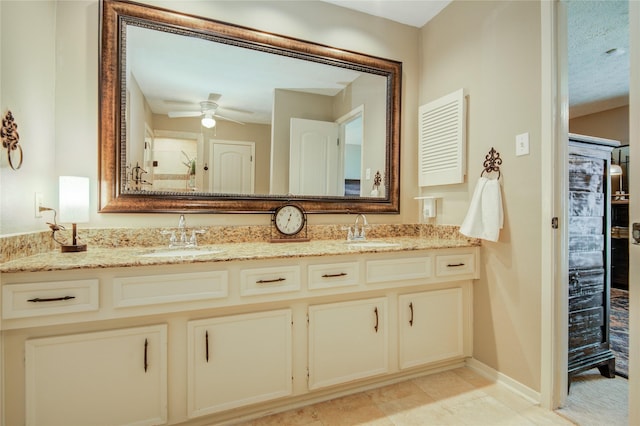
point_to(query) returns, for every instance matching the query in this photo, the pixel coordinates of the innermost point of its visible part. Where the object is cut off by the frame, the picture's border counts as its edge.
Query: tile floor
(454, 397)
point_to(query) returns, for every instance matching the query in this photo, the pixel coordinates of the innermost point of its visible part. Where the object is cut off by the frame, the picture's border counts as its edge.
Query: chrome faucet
(182, 226)
(183, 241)
(358, 234)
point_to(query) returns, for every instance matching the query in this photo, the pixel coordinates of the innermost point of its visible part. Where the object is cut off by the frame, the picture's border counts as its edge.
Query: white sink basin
(371, 244)
(185, 252)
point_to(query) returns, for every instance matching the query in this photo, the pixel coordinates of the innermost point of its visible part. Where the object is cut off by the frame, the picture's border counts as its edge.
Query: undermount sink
(371, 244)
(181, 252)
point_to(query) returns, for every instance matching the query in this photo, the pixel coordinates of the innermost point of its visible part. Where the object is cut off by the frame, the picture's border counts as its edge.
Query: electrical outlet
(38, 204)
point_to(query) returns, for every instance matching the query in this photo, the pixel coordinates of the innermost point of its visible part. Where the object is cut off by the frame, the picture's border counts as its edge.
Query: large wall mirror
(202, 116)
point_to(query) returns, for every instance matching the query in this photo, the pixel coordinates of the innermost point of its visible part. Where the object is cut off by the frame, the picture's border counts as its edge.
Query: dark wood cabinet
(589, 255)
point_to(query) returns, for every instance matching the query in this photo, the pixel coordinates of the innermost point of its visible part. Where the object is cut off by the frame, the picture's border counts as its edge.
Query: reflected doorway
(232, 169)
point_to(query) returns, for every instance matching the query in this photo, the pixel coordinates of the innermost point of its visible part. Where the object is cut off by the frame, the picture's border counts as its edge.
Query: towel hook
(492, 162)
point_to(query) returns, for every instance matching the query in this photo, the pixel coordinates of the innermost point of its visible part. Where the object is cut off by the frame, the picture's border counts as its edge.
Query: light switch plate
(522, 144)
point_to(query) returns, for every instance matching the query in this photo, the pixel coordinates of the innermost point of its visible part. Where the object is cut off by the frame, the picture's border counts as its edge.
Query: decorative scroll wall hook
(492, 162)
(10, 140)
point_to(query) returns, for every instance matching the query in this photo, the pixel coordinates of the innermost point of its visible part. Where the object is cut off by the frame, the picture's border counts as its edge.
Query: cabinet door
(106, 378)
(347, 341)
(431, 326)
(238, 360)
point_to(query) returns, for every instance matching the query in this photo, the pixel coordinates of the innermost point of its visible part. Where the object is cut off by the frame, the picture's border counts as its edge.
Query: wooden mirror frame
(112, 97)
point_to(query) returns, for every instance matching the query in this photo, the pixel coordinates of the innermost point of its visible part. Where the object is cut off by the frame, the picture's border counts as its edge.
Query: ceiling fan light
(208, 121)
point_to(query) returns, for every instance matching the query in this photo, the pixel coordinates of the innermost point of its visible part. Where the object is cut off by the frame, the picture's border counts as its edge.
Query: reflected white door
(315, 158)
(232, 167)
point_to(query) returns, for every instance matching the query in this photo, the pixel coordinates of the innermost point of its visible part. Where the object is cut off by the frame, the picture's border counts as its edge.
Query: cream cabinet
(235, 340)
(347, 341)
(238, 360)
(431, 326)
(104, 378)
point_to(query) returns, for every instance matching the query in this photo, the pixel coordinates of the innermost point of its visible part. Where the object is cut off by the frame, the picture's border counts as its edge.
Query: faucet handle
(194, 240)
(349, 232)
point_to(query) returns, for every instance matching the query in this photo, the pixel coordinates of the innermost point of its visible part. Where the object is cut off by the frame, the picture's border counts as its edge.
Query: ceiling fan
(208, 110)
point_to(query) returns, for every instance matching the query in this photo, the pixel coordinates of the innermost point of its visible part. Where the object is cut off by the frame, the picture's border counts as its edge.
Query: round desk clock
(290, 223)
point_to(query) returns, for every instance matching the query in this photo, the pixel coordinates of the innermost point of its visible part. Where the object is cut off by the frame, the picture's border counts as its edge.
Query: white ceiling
(410, 12)
(597, 80)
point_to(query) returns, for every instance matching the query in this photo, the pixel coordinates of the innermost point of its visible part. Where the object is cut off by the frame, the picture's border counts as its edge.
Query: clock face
(289, 219)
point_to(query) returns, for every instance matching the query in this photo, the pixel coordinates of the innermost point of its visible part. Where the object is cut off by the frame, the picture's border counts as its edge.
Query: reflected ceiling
(187, 79)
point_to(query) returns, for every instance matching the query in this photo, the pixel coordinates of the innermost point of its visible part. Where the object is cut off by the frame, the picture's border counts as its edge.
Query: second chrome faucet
(358, 234)
(183, 241)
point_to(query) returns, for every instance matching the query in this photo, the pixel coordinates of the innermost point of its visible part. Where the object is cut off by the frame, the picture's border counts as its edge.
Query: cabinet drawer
(333, 275)
(398, 269)
(157, 289)
(278, 279)
(455, 264)
(49, 298)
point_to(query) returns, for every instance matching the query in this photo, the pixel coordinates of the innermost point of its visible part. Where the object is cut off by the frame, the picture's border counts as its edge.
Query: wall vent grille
(442, 140)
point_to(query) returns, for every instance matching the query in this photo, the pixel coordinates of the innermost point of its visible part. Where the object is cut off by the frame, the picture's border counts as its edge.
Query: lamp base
(73, 248)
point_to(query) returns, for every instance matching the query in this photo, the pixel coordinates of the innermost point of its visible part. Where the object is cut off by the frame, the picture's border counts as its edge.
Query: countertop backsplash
(24, 245)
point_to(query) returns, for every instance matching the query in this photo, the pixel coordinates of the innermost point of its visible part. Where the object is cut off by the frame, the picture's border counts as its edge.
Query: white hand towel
(485, 216)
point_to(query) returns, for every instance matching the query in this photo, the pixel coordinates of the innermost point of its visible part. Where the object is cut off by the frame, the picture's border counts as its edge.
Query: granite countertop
(98, 257)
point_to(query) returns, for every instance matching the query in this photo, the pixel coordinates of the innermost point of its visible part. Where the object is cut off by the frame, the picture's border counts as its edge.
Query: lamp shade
(74, 199)
(615, 170)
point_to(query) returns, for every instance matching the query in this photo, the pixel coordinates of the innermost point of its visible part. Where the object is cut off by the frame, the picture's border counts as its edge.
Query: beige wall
(492, 50)
(27, 89)
(609, 124)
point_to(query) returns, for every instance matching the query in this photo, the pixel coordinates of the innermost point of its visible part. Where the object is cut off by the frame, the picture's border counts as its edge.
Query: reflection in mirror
(280, 96)
(209, 114)
(619, 181)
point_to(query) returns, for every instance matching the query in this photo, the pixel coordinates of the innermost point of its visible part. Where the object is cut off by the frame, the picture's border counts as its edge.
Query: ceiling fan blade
(178, 114)
(214, 96)
(180, 102)
(222, 117)
(240, 110)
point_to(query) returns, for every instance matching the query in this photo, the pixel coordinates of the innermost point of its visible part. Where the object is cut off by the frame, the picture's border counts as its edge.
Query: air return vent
(442, 141)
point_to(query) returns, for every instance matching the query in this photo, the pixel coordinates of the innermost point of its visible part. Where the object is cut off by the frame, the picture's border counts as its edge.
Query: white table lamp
(74, 207)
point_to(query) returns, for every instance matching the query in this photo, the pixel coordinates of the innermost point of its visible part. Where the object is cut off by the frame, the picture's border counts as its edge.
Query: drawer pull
(146, 348)
(206, 345)
(454, 265)
(51, 299)
(375, 310)
(340, 274)
(411, 310)
(275, 280)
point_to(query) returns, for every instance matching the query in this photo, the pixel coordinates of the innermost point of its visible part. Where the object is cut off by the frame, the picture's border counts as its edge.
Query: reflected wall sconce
(616, 170)
(11, 140)
(74, 207)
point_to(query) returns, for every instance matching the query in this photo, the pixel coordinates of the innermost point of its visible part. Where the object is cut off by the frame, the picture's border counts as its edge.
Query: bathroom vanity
(115, 337)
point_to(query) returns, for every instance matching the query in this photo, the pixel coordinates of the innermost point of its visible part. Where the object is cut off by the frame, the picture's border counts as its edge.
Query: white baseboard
(498, 377)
